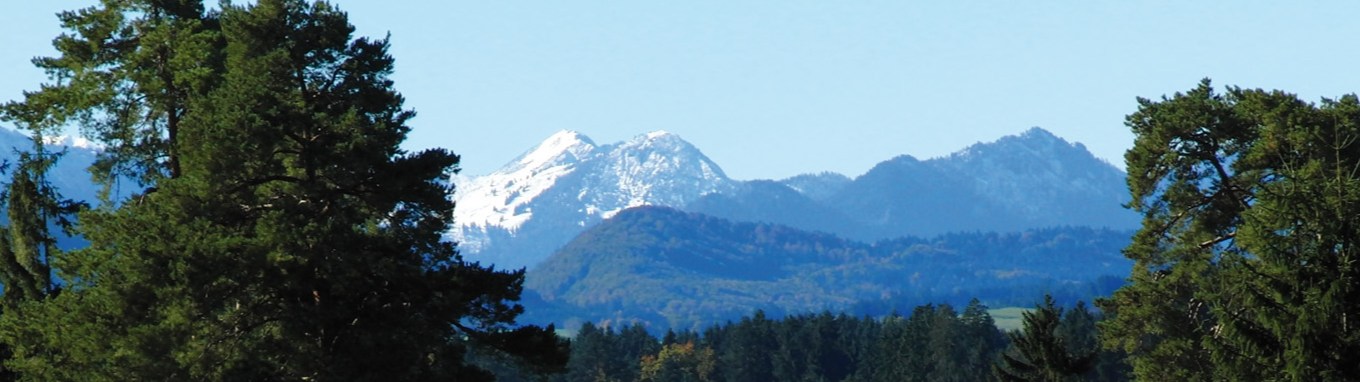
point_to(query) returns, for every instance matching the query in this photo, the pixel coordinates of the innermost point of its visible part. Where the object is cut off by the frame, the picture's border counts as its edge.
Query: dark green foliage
(27, 245)
(977, 344)
(746, 354)
(284, 234)
(814, 347)
(932, 344)
(686, 271)
(1244, 269)
(903, 354)
(1044, 351)
(126, 77)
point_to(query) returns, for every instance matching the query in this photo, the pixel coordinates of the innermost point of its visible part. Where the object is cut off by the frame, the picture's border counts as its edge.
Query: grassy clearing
(1008, 318)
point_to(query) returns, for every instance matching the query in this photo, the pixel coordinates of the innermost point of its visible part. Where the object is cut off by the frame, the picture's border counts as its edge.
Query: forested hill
(671, 269)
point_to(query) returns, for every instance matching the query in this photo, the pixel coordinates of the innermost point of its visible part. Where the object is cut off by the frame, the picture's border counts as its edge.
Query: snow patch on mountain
(72, 142)
(657, 168)
(69, 175)
(501, 199)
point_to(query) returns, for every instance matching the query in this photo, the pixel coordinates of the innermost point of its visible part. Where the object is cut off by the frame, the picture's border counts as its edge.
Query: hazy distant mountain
(677, 269)
(776, 202)
(69, 175)
(1042, 180)
(1028, 181)
(520, 214)
(819, 186)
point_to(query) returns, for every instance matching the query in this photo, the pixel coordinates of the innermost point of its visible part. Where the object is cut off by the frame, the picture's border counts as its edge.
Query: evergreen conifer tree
(980, 342)
(1244, 266)
(749, 348)
(1038, 351)
(284, 235)
(27, 245)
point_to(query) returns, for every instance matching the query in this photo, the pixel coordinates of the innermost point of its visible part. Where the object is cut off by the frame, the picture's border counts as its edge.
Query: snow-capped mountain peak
(500, 199)
(567, 184)
(657, 168)
(657, 140)
(658, 134)
(563, 146)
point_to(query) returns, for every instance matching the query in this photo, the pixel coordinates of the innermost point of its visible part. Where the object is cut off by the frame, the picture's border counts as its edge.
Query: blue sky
(772, 89)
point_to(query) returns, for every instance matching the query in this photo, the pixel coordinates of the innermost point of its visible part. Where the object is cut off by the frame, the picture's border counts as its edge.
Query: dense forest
(932, 343)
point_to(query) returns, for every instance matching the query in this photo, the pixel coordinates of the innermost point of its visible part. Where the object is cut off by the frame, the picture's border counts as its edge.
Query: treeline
(933, 343)
(1068, 293)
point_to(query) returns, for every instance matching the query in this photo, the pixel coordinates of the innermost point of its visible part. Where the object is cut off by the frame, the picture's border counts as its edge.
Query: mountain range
(516, 217)
(651, 230)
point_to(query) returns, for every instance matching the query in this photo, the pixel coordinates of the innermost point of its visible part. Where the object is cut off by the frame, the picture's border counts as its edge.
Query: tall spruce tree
(284, 234)
(27, 245)
(1244, 269)
(1039, 353)
(980, 342)
(748, 355)
(903, 347)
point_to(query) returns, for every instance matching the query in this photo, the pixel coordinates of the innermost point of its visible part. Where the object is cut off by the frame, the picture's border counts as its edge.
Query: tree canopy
(1044, 350)
(1245, 265)
(283, 234)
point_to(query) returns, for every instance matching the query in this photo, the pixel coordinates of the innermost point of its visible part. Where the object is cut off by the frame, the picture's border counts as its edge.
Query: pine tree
(591, 356)
(749, 351)
(1291, 312)
(1078, 331)
(284, 234)
(980, 342)
(1039, 353)
(1244, 266)
(1181, 183)
(946, 351)
(634, 343)
(903, 351)
(126, 77)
